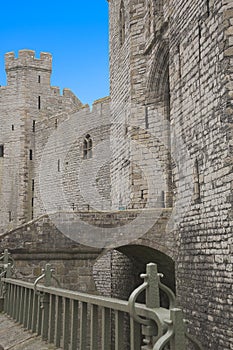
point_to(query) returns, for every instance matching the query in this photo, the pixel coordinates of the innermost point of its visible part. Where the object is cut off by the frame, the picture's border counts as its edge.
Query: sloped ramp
(14, 337)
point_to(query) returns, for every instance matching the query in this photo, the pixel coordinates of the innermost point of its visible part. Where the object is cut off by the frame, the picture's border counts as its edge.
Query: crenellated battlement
(26, 58)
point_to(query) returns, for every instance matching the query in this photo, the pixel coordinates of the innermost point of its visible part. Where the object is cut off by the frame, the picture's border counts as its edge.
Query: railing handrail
(158, 325)
(106, 302)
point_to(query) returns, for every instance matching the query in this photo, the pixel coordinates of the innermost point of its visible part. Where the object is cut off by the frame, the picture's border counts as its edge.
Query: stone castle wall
(179, 82)
(65, 180)
(140, 171)
(199, 105)
(32, 111)
(170, 128)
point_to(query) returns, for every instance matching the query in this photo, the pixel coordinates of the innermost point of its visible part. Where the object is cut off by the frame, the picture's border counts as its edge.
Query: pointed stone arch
(158, 78)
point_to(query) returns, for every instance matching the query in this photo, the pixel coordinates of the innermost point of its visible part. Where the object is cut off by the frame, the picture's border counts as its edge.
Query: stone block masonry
(31, 111)
(178, 83)
(169, 123)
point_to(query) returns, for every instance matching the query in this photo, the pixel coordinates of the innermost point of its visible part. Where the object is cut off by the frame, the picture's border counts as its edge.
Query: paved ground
(13, 336)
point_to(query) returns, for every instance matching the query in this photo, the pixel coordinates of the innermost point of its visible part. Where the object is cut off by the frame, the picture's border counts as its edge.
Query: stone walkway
(13, 336)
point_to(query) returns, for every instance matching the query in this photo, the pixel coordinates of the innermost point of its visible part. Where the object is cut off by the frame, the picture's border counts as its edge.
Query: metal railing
(74, 320)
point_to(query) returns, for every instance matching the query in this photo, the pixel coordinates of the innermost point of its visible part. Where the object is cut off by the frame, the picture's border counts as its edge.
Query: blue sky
(74, 32)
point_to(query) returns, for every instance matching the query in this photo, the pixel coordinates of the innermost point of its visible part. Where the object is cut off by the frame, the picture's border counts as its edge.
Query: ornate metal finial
(47, 275)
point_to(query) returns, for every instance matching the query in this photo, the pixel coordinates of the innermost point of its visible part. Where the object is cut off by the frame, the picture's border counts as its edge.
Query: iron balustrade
(74, 320)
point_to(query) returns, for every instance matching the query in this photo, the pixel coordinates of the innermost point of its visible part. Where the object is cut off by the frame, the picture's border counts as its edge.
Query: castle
(158, 150)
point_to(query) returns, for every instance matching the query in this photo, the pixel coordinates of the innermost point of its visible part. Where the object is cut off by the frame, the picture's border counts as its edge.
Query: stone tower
(24, 102)
(140, 105)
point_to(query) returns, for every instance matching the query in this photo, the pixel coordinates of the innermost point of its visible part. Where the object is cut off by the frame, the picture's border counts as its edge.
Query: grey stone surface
(170, 114)
(13, 336)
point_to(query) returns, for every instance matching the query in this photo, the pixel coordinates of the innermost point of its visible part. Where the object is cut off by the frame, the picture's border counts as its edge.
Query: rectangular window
(10, 216)
(33, 125)
(58, 165)
(38, 78)
(33, 185)
(39, 102)
(1, 150)
(30, 154)
(12, 127)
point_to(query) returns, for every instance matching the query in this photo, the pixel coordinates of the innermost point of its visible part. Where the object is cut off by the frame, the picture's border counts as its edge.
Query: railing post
(152, 291)
(178, 341)
(48, 275)
(6, 271)
(5, 257)
(45, 302)
(152, 301)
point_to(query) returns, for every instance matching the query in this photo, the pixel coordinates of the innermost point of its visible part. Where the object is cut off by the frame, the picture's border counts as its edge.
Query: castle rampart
(27, 59)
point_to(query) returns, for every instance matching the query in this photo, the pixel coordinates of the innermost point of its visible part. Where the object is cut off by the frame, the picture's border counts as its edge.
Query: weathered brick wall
(189, 117)
(199, 100)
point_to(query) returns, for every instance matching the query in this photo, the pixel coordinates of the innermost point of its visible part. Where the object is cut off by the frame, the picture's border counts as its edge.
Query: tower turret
(16, 68)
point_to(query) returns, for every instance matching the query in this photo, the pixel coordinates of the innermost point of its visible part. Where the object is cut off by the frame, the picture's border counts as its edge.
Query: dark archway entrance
(117, 272)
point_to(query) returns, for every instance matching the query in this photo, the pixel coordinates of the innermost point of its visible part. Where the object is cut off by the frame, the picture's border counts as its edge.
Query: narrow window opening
(39, 102)
(142, 194)
(58, 165)
(33, 126)
(208, 7)
(30, 154)
(33, 185)
(122, 23)
(1, 150)
(12, 127)
(10, 216)
(55, 123)
(32, 213)
(38, 78)
(87, 147)
(146, 118)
